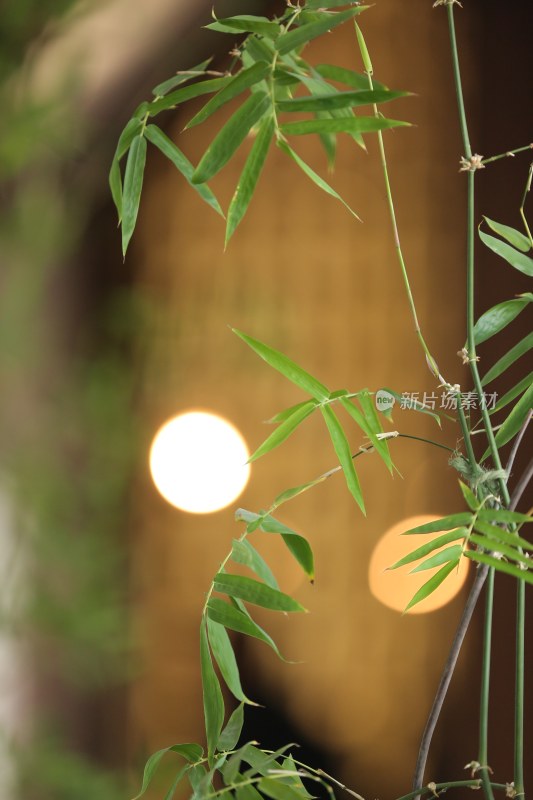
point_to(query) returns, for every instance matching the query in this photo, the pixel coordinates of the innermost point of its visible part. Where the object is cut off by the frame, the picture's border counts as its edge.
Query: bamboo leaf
(429, 547)
(499, 535)
(305, 33)
(348, 77)
(231, 136)
(510, 551)
(469, 496)
(182, 77)
(250, 176)
(342, 449)
(284, 430)
(512, 424)
(133, 181)
(297, 544)
(115, 179)
(288, 368)
(287, 412)
(509, 358)
(514, 237)
(212, 694)
(294, 780)
(317, 180)
(328, 102)
(278, 790)
(175, 783)
(252, 591)
(374, 427)
(498, 317)
(191, 752)
(232, 732)
(452, 553)
(500, 565)
(238, 84)
(247, 792)
(311, 4)
(246, 23)
(245, 553)
(223, 654)
(433, 583)
(237, 620)
(414, 405)
(182, 164)
(444, 524)
(509, 396)
(503, 516)
(172, 99)
(513, 257)
(340, 125)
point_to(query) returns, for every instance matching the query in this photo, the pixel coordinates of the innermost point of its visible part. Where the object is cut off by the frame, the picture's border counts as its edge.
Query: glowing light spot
(395, 588)
(198, 462)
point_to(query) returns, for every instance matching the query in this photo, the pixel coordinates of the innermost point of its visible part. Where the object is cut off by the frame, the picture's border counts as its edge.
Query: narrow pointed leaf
(175, 783)
(223, 654)
(182, 164)
(513, 257)
(288, 368)
(340, 125)
(429, 547)
(231, 734)
(452, 553)
(499, 535)
(182, 77)
(246, 23)
(247, 792)
(237, 620)
(500, 565)
(133, 181)
(287, 412)
(115, 179)
(297, 544)
(374, 427)
(197, 775)
(338, 100)
(288, 494)
(250, 175)
(433, 583)
(469, 496)
(231, 136)
(415, 405)
(498, 317)
(294, 779)
(191, 752)
(342, 449)
(348, 77)
(179, 96)
(260, 762)
(444, 524)
(509, 358)
(513, 422)
(507, 550)
(278, 790)
(243, 80)
(316, 85)
(317, 180)
(509, 396)
(328, 3)
(243, 552)
(212, 694)
(305, 33)
(252, 591)
(514, 237)
(502, 515)
(284, 430)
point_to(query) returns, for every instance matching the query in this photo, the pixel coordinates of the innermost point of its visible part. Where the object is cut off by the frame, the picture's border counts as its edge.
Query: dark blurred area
(102, 582)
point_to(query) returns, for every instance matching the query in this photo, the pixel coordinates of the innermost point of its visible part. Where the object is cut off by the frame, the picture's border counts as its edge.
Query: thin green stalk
(519, 689)
(485, 689)
(507, 154)
(466, 432)
(432, 789)
(523, 203)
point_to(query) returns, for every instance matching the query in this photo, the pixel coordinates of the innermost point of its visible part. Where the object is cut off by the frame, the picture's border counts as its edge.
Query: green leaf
(365, 55)
(288, 494)
(243, 552)
(261, 762)
(328, 3)
(278, 790)
(504, 516)
(182, 163)
(294, 779)
(498, 317)
(374, 426)
(232, 732)
(469, 496)
(252, 591)
(182, 77)
(512, 424)
(509, 396)
(510, 551)
(509, 358)
(414, 405)
(513, 257)
(115, 179)
(284, 430)
(444, 524)
(514, 237)
(197, 775)
(250, 176)
(500, 565)
(237, 620)
(342, 449)
(348, 77)
(191, 752)
(212, 694)
(452, 553)
(297, 544)
(133, 181)
(223, 654)
(246, 23)
(316, 85)
(247, 792)
(499, 535)
(186, 93)
(433, 583)
(429, 547)
(288, 368)
(317, 180)
(231, 136)
(328, 102)
(175, 783)
(243, 80)
(287, 412)
(340, 125)
(305, 33)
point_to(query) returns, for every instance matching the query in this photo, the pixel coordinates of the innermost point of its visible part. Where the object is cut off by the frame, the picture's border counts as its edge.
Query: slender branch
(485, 689)
(508, 154)
(523, 203)
(434, 788)
(516, 443)
(519, 686)
(526, 476)
(446, 677)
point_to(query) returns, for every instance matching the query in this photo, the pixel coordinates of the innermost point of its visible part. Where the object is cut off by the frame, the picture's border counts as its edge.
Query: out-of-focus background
(102, 580)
